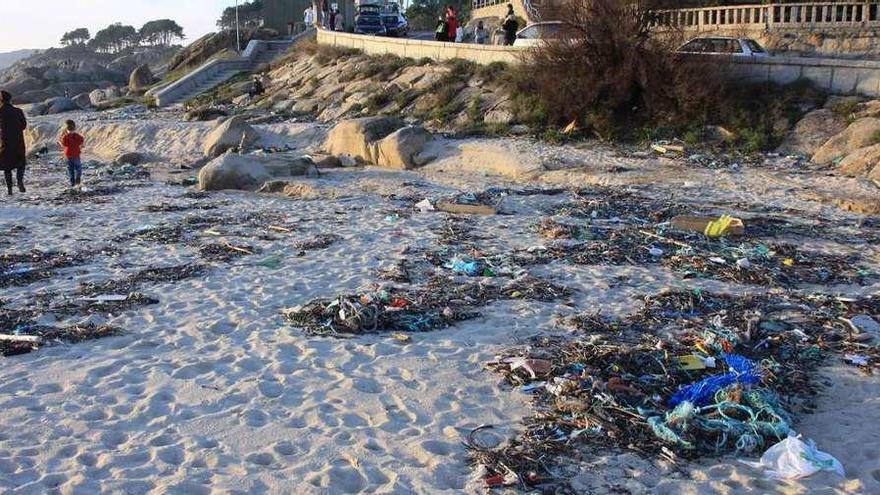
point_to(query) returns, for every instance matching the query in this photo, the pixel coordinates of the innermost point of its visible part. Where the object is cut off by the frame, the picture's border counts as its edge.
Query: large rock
(861, 133)
(862, 163)
(59, 104)
(356, 138)
(403, 148)
(236, 171)
(812, 131)
(140, 79)
(230, 133)
(99, 96)
(83, 100)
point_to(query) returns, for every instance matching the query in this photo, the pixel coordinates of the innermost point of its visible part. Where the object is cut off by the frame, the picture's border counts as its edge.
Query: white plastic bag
(792, 459)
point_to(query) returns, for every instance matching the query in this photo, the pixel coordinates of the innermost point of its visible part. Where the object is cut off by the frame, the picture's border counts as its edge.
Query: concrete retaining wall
(416, 49)
(837, 76)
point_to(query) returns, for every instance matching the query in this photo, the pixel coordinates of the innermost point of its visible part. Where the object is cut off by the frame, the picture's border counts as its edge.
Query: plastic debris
(724, 225)
(272, 262)
(107, 298)
(793, 458)
(865, 324)
(425, 206)
(857, 359)
(742, 371)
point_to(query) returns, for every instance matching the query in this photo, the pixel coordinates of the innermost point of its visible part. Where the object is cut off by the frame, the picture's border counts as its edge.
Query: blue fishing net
(742, 371)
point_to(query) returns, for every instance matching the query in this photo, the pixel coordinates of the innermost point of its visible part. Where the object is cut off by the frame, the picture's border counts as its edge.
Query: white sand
(210, 392)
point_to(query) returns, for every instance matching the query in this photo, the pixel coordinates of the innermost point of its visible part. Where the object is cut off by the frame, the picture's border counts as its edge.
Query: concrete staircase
(216, 72)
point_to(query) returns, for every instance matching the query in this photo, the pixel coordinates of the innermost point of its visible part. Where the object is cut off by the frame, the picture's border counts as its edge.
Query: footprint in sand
(254, 418)
(162, 440)
(367, 386)
(48, 388)
(437, 447)
(113, 438)
(261, 458)
(192, 370)
(341, 478)
(354, 420)
(95, 414)
(87, 459)
(171, 455)
(286, 448)
(271, 389)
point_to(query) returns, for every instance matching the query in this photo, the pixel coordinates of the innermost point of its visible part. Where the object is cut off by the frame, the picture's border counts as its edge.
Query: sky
(41, 23)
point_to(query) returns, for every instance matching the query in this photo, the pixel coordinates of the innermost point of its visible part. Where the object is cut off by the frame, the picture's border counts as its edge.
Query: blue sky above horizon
(41, 23)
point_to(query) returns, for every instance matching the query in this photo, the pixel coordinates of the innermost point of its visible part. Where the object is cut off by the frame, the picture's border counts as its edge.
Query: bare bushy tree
(612, 73)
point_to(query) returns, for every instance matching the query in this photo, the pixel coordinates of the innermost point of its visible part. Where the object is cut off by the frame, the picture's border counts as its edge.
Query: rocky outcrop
(247, 172)
(140, 79)
(864, 162)
(101, 96)
(863, 132)
(74, 70)
(228, 134)
(51, 106)
(812, 131)
(356, 138)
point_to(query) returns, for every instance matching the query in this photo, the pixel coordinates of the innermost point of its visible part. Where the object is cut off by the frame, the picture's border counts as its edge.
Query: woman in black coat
(12, 149)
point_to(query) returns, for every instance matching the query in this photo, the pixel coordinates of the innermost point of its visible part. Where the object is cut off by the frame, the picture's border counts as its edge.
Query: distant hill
(9, 58)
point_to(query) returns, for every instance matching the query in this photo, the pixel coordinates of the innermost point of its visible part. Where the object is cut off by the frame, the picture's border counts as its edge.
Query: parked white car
(718, 45)
(540, 31)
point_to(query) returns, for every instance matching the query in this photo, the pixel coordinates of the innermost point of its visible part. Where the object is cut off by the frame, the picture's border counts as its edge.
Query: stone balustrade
(769, 16)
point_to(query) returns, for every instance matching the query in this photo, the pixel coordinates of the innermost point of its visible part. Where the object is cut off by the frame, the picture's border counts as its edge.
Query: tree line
(249, 15)
(118, 37)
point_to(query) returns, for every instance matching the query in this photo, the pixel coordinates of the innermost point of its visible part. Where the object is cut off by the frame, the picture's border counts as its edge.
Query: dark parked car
(369, 20)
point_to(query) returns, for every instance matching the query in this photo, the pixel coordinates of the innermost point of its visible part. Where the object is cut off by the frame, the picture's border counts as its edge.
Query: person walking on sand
(72, 143)
(13, 155)
(451, 24)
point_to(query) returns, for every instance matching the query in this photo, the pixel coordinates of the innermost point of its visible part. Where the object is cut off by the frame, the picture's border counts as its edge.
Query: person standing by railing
(510, 26)
(451, 24)
(481, 34)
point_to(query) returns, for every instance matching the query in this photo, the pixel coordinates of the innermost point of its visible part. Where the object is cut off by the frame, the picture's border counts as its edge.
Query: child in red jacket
(72, 143)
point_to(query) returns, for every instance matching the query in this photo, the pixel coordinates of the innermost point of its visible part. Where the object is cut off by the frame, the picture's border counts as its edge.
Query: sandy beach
(211, 391)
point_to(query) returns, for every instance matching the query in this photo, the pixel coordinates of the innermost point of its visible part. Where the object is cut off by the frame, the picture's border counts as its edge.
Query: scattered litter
(320, 241)
(224, 251)
(107, 298)
(439, 304)
(793, 458)
(425, 206)
(466, 209)
(689, 374)
(272, 262)
(25, 268)
(43, 335)
(857, 359)
(724, 225)
(865, 324)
